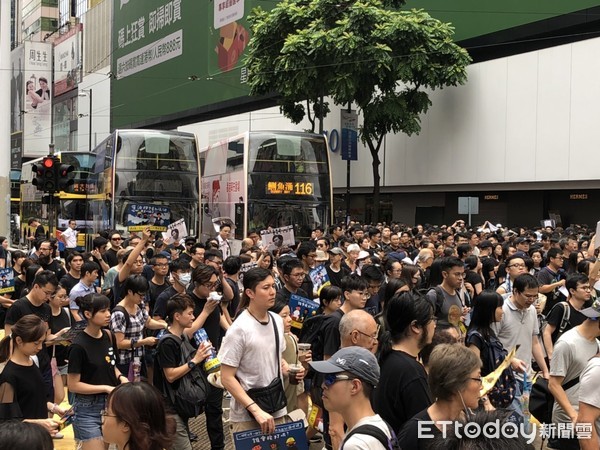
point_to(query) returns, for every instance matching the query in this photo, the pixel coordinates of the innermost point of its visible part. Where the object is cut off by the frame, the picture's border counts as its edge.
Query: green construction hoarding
(176, 59)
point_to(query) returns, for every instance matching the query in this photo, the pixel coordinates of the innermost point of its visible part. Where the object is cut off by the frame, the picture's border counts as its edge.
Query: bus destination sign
(290, 188)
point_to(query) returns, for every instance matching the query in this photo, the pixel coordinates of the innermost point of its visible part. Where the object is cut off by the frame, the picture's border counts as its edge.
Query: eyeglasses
(141, 294)
(51, 293)
(363, 294)
(478, 379)
(585, 288)
(211, 285)
(559, 257)
(518, 266)
(104, 414)
(371, 336)
(116, 239)
(459, 274)
(331, 379)
(531, 296)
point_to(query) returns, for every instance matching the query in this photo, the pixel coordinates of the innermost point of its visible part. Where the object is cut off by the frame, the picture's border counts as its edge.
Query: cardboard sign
(289, 436)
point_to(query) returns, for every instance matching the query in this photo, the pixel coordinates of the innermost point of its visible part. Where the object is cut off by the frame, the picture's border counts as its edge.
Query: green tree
(367, 52)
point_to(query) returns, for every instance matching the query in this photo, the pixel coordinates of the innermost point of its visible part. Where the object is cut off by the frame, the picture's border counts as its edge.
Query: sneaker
(58, 436)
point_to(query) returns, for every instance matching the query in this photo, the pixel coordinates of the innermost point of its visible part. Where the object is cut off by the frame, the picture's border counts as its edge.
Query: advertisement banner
(17, 57)
(37, 116)
(67, 60)
(178, 56)
(140, 216)
(16, 150)
(349, 127)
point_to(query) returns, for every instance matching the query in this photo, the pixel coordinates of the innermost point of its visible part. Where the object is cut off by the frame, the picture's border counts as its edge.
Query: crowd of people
(391, 345)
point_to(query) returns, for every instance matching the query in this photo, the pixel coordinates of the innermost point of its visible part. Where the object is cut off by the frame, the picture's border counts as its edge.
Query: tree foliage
(382, 59)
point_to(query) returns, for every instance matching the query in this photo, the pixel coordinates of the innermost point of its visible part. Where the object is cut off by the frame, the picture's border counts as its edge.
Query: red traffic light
(48, 162)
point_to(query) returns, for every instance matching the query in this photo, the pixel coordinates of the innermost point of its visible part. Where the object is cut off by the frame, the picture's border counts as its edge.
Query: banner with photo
(7, 281)
(275, 238)
(37, 117)
(320, 278)
(67, 60)
(17, 57)
(140, 216)
(176, 232)
(301, 308)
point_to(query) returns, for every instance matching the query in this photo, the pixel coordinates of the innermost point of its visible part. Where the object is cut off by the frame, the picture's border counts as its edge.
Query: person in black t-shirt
(93, 372)
(208, 315)
(579, 289)
(59, 323)
(455, 380)
(35, 302)
(22, 390)
(180, 310)
(180, 272)
(403, 390)
(74, 263)
(292, 274)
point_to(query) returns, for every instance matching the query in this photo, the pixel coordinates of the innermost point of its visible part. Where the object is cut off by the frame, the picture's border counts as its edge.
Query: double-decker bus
(72, 204)
(266, 179)
(146, 177)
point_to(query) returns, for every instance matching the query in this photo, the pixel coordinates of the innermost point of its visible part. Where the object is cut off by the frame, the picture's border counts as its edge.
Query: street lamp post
(88, 93)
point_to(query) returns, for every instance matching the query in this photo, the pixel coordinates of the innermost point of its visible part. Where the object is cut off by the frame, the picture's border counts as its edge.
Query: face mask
(185, 279)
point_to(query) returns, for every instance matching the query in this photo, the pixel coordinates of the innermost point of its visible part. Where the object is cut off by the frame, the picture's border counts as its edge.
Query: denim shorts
(87, 421)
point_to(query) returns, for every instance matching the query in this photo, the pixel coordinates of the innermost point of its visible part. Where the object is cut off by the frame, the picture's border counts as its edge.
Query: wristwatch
(191, 364)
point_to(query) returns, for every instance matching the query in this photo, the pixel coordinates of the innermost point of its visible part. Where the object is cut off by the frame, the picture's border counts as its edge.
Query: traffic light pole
(51, 206)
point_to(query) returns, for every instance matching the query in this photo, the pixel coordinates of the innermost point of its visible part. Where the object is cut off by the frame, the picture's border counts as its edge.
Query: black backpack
(377, 433)
(312, 333)
(190, 396)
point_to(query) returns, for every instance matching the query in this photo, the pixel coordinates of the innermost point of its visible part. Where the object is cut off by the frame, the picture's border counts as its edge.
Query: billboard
(37, 98)
(16, 89)
(67, 60)
(177, 57)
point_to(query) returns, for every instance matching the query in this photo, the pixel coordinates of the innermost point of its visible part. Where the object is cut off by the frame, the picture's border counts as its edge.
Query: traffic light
(64, 177)
(38, 181)
(45, 174)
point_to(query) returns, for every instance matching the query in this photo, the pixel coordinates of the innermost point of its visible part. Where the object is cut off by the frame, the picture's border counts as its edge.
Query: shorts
(87, 421)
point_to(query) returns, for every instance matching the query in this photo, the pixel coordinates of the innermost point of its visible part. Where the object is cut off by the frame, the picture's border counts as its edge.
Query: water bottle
(137, 368)
(212, 363)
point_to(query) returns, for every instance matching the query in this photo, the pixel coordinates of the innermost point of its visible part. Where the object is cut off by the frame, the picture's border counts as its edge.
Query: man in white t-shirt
(571, 354)
(250, 355)
(589, 405)
(69, 236)
(350, 376)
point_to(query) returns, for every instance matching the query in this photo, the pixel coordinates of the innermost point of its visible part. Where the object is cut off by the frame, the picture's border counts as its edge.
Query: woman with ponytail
(22, 389)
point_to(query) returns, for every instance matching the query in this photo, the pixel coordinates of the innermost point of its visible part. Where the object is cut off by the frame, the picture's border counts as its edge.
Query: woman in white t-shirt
(249, 355)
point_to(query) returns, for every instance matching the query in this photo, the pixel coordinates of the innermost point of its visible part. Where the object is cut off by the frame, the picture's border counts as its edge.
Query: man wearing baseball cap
(349, 378)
